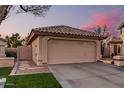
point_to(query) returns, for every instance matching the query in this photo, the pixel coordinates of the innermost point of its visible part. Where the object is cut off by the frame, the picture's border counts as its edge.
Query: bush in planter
(11, 54)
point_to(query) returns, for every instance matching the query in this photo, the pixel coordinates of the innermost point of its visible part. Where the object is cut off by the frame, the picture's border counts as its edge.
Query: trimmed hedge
(11, 54)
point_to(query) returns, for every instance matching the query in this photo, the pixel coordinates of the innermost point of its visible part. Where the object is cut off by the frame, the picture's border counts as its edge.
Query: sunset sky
(83, 17)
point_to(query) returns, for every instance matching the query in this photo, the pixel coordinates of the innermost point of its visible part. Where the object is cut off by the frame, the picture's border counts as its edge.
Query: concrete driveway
(91, 75)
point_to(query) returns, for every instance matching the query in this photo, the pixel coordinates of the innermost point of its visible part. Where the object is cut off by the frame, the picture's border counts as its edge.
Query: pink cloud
(112, 20)
(98, 19)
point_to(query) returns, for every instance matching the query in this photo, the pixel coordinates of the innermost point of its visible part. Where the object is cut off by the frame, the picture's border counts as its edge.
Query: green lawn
(4, 72)
(45, 80)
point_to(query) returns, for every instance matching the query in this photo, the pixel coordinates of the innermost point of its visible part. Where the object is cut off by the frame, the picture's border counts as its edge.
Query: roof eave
(121, 25)
(34, 34)
(31, 37)
(116, 42)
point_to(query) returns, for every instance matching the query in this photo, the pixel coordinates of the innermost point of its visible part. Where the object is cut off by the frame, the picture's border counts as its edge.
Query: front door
(117, 48)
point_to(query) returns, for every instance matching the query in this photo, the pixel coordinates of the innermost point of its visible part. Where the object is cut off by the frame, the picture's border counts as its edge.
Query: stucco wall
(98, 50)
(7, 62)
(107, 51)
(24, 53)
(36, 50)
(111, 49)
(2, 48)
(39, 48)
(122, 37)
(122, 34)
(11, 49)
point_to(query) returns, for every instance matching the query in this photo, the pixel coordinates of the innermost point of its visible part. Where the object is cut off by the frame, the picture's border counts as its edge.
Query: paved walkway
(91, 75)
(28, 67)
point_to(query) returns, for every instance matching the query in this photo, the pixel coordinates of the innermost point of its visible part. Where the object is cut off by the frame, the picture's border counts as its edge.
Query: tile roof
(66, 30)
(62, 30)
(121, 25)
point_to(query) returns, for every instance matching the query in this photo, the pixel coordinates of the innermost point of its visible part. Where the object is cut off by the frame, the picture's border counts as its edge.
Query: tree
(4, 10)
(105, 28)
(37, 10)
(98, 30)
(14, 40)
(102, 31)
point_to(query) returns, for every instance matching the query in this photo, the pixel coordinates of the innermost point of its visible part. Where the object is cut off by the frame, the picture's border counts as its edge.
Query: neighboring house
(64, 44)
(115, 44)
(121, 28)
(112, 46)
(2, 47)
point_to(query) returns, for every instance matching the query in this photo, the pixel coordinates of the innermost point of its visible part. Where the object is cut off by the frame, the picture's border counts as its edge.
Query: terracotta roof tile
(63, 31)
(66, 30)
(121, 25)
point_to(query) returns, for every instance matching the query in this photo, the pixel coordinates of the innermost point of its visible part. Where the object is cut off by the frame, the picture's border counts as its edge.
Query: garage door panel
(63, 51)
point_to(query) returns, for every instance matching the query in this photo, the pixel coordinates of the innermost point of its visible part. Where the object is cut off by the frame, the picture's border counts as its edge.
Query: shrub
(11, 54)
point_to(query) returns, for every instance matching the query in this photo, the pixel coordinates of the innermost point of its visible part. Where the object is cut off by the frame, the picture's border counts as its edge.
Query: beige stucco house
(115, 44)
(121, 28)
(63, 44)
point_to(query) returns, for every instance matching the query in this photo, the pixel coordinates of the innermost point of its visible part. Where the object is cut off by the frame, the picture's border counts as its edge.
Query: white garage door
(67, 51)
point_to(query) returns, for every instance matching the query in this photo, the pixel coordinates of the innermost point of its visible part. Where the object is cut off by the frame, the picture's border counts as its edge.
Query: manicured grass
(45, 80)
(4, 72)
